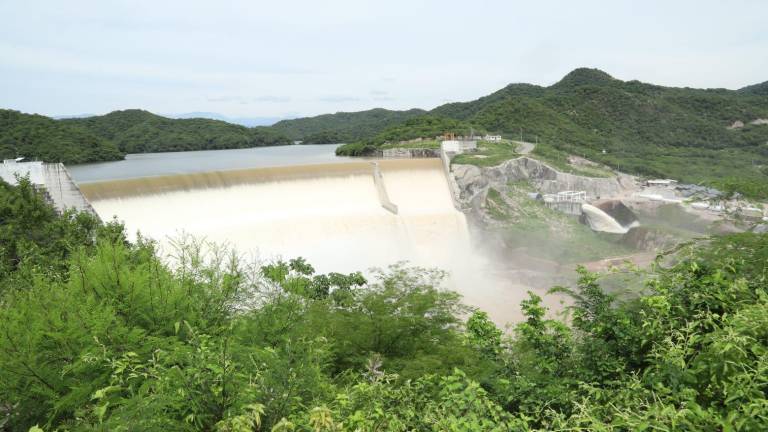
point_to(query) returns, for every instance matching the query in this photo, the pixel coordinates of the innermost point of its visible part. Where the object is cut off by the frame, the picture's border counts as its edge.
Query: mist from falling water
(336, 222)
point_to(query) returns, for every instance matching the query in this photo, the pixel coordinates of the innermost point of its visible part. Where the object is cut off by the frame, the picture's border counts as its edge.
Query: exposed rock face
(759, 122)
(473, 182)
(738, 124)
(689, 190)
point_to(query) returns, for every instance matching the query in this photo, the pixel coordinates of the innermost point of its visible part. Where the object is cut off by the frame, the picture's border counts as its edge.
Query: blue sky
(290, 58)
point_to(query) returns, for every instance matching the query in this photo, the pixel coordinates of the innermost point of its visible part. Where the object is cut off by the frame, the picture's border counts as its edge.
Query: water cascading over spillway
(329, 214)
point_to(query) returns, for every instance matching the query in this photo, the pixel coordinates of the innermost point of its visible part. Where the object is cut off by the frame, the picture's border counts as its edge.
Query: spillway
(330, 213)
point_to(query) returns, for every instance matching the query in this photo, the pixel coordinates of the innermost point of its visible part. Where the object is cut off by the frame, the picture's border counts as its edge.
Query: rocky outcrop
(760, 229)
(473, 182)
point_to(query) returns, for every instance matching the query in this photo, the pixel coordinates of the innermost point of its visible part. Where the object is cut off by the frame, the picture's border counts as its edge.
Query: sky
(285, 58)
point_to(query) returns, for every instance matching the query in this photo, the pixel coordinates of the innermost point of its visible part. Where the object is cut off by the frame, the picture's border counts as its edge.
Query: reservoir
(169, 163)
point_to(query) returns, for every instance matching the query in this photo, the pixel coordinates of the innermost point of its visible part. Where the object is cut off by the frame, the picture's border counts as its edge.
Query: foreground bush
(112, 338)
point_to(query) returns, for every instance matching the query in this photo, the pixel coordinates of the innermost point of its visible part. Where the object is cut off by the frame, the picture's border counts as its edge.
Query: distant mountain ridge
(139, 131)
(243, 121)
(343, 126)
(756, 89)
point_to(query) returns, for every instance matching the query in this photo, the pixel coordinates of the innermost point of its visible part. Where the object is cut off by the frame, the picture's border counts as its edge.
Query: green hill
(42, 138)
(137, 131)
(756, 89)
(424, 126)
(632, 126)
(636, 127)
(343, 126)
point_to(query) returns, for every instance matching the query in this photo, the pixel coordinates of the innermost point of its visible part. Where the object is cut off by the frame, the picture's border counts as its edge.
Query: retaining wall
(408, 153)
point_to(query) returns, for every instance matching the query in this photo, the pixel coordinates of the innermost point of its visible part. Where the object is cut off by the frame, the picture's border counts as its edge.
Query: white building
(494, 138)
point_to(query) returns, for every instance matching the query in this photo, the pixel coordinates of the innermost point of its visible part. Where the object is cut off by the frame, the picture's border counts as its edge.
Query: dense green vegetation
(41, 138)
(99, 334)
(636, 127)
(137, 131)
(110, 136)
(343, 127)
(424, 126)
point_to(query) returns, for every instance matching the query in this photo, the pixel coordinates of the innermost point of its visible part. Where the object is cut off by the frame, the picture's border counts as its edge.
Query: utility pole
(521, 134)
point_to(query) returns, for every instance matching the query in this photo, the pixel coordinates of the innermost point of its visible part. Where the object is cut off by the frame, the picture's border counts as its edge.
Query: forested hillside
(639, 128)
(38, 137)
(343, 127)
(423, 126)
(635, 127)
(138, 131)
(99, 334)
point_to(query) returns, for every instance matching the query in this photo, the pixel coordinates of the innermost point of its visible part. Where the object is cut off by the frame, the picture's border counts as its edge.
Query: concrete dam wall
(52, 179)
(302, 211)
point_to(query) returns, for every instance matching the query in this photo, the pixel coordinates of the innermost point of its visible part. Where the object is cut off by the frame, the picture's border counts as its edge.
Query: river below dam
(286, 202)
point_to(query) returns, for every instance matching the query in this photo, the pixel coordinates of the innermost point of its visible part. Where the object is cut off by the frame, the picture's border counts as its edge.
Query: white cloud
(253, 58)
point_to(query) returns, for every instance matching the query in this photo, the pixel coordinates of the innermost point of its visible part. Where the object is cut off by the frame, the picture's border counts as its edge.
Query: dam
(303, 211)
(328, 210)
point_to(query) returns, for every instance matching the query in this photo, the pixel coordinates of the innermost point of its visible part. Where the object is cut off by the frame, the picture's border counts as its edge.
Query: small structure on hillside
(493, 138)
(568, 202)
(566, 196)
